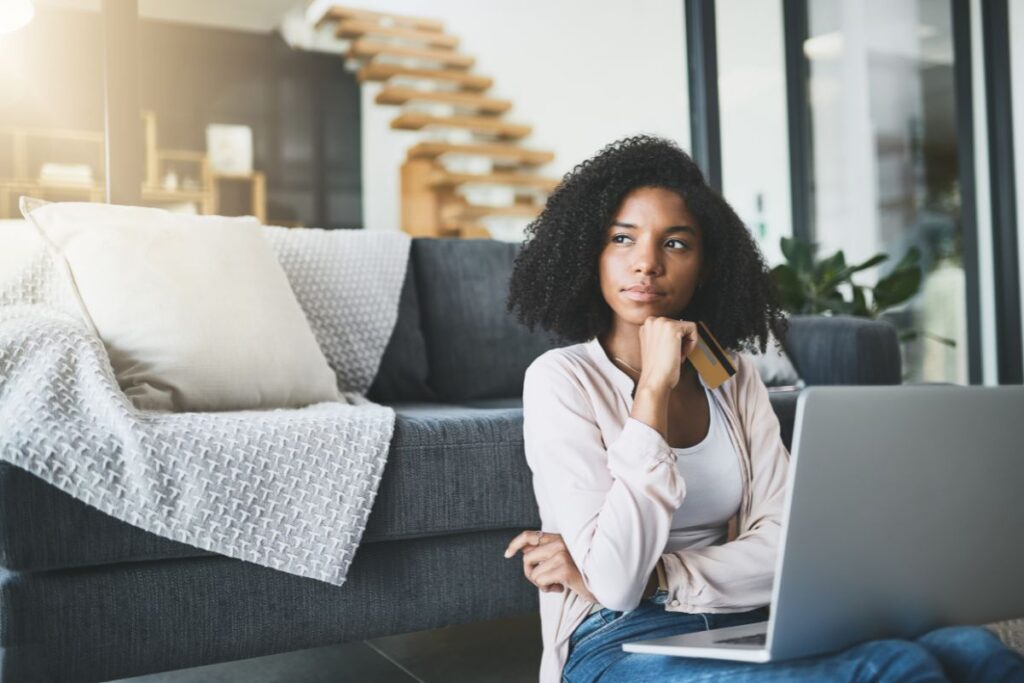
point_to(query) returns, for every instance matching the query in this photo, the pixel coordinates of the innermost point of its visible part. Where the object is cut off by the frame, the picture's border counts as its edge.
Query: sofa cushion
(450, 469)
(402, 375)
(477, 349)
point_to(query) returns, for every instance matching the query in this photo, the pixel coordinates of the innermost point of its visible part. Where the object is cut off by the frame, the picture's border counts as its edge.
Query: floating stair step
(508, 153)
(452, 215)
(354, 28)
(379, 71)
(448, 58)
(414, 120)
(400, 95)
(449, 179)
(473, 231)
(340, 13)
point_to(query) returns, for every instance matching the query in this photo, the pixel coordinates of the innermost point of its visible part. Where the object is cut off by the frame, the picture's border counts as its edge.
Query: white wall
(581, 72)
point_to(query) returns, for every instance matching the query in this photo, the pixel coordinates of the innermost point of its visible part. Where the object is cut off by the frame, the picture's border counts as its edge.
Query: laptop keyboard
(756, 639)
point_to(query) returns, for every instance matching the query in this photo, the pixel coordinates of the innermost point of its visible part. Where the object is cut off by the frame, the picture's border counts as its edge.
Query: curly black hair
(555, 280)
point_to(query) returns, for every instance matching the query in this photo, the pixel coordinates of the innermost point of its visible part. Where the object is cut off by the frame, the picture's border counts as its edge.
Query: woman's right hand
(664, 344)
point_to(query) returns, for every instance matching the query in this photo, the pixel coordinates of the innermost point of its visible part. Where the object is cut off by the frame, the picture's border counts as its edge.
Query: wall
(303, 108)
(582, 73)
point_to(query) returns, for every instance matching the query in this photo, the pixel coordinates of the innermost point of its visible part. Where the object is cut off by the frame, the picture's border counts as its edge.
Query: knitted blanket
(289, 489)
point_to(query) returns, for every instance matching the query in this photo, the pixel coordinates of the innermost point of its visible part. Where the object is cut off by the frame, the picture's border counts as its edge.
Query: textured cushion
(122, 620)
(842, 349)
(21, 245)
(449, 469)
(403, 370)
(195, 311)
(476, 348)
(784, 404)
(774, 366)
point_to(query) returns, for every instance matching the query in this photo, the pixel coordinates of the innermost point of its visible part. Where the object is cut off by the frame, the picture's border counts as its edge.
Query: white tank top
(713, 487)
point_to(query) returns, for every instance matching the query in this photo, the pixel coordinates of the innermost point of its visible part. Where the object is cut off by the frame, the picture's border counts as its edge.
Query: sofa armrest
(843, 350)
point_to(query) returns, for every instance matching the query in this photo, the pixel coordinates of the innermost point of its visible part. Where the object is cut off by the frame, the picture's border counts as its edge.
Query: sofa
(86, 597)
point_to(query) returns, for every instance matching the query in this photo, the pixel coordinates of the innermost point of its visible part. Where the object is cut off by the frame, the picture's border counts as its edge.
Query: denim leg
(878, 661)
(597, 655)
(973, 653)
(597, 642)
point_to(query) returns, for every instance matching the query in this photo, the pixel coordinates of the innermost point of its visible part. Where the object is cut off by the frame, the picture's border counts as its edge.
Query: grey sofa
(85, 597)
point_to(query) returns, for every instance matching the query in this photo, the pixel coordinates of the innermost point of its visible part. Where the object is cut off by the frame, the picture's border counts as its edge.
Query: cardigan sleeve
(737, 576)
(612, 503)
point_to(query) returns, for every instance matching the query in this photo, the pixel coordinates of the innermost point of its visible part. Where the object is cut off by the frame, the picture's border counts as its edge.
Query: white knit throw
(289, 489)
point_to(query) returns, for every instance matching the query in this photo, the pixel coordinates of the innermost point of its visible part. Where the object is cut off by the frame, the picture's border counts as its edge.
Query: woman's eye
(615, 238)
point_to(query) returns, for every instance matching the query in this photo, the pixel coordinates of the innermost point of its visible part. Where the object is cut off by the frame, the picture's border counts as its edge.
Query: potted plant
(811, 285)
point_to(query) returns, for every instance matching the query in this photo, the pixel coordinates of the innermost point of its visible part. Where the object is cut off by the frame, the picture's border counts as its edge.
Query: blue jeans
(956, 653)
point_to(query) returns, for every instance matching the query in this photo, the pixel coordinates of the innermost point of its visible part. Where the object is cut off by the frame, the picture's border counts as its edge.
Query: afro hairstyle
(555, 281)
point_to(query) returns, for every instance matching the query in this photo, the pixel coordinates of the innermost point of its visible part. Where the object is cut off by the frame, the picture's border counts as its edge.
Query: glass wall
(752, 110)
(1017, 92)
(885, 161)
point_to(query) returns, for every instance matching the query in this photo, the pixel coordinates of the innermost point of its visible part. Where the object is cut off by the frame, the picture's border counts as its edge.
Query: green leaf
(911, 258)
(897, 287)
(790, 289)
(860, 304)
(828, 270)
(939, 338)
(870, 263)
(798, 254)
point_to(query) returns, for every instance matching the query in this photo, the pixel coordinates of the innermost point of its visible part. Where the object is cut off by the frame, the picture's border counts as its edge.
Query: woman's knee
(962, 639)
(896, 660)
(970, 653)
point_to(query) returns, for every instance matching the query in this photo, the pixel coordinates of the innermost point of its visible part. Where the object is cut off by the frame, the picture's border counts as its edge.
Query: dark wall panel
(304, 107)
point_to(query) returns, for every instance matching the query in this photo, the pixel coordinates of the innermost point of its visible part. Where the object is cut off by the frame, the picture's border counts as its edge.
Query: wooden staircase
(425, 74)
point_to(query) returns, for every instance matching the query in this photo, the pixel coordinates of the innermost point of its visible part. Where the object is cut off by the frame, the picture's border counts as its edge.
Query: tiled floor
(468, 652)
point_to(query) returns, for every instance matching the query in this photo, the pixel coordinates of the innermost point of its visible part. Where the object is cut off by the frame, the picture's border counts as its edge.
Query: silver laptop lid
(904, 513)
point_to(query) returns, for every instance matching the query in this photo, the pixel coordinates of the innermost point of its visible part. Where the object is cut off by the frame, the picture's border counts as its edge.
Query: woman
(661, 499)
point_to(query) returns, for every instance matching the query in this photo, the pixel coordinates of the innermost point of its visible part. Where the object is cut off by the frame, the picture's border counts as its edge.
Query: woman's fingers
(689, 337)
(550, 572)
(534, 556)
(526, 538)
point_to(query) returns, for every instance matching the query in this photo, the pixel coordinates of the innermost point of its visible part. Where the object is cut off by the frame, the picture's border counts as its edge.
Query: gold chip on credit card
(709, 359)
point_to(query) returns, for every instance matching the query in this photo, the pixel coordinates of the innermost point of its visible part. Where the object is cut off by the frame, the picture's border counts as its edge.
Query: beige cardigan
(609, 485)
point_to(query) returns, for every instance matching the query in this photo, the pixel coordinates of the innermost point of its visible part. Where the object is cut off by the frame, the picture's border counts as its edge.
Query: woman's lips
(641, 295)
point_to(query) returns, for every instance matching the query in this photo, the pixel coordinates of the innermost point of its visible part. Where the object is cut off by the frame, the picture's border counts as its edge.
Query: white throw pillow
(195, 311)
(775, 367)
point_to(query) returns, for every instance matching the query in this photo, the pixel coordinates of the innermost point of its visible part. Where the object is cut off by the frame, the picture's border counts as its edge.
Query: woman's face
(651, 261)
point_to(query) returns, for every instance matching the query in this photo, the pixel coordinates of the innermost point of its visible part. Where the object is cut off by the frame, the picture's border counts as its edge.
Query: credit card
(709, 359)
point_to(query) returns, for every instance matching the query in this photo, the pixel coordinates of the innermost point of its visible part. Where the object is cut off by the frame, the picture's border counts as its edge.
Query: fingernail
(507, 555)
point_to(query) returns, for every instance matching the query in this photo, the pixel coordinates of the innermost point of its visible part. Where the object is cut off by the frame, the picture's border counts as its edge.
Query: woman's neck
(622, 346)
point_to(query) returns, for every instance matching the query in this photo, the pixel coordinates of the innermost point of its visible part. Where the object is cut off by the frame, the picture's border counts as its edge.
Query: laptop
(903, 513)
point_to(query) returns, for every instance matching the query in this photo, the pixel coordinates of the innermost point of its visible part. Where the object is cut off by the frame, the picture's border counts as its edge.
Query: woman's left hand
(547, 563)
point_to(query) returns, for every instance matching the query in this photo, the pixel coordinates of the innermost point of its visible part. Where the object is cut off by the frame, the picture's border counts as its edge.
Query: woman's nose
(647, 260)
